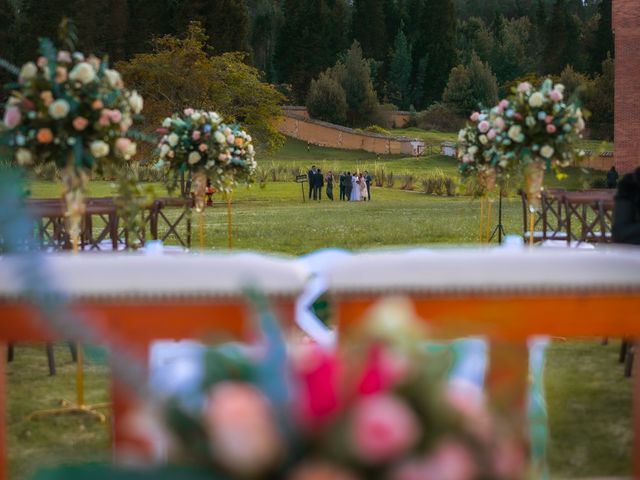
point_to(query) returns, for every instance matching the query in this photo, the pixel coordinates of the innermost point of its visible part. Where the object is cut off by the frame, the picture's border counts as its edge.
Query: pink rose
(455, 462)
(551, 128)
(61, 75)
(203, 147)
(483, 126)
(12, 117)
(548, 119)
(524, 87)
(97, 104)
(80, 123)
(242, 431)
(499, 123)
(47, 97)
(64, 56)
(555, 95)
(189, 111)
(491, 134)
(382, 428)
(475, 116)
(517, 116)
(196, 135)
(504, 104)
(466, 158)
(115, 116)
(105, 118)
(123, 144)
(385, 368)
(42, 62)
(317, 373)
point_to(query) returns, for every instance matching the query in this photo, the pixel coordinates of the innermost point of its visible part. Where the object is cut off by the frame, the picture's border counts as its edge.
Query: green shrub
(437, 183)
(391, 181)
(327, 100)
(599, 182)
(377, 129)
(439, 117)
(408, 181)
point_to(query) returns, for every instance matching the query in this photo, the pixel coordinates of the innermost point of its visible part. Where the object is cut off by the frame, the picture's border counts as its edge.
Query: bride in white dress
(355, 189)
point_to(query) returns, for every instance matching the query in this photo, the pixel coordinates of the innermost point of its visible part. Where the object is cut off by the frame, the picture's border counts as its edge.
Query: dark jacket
(612, 178)
(626, 213)
(319, 180)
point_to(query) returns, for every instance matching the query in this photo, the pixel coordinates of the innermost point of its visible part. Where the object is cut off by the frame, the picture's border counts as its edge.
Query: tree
(263, 36)
(148, 18)
(7, 43)
(603, 45)
(471, 87)
(362, 101)
(560, 33)
(116, 34)
(575, 83)
(599, 100)
(369, 28)
(226, 22)
(437, 41)
(179, 73)
(510, 57)
(327, 99)
(399, 85)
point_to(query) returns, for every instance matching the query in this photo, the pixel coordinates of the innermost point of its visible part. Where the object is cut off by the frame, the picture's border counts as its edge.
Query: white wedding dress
(355, 189)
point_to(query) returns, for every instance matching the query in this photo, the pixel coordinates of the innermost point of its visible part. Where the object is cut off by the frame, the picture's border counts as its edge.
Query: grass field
(589, 400)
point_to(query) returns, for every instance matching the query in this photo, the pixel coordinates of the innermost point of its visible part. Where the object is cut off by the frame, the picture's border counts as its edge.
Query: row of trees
(418, 52)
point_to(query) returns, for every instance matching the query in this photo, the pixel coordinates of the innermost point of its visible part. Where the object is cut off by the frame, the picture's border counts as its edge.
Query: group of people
(353, 187)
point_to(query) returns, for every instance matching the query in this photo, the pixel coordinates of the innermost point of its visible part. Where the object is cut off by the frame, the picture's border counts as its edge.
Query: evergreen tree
(556, 39)
(399, 85)
(437, 41)
(7, 43)
(263, 36)
(369, 28)
(603, 41)
(471, 87)
(327, 99)
(116, 34)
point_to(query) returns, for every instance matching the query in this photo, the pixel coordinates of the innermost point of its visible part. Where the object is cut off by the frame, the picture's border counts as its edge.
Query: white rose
(164, 149)
(136, 102)
(483, 139)
(473, 150)
(220, 138)
(196, 116)
(166, 123)
(536, 100)
(461, 135)
(215, 118)
(580, 124)
(194, 157)
(559, 87)
(173, 139)
(130, 151)
(83, 73)
(24, 157)
(99, 149)
(546, 151)
(115, 80)
(59, 109)
(250, 149)
(28, 71)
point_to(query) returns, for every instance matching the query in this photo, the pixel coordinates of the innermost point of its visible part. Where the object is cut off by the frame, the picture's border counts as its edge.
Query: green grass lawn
(589, 400)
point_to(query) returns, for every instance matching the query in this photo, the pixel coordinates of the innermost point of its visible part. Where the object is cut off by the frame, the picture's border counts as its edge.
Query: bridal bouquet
(197, 141)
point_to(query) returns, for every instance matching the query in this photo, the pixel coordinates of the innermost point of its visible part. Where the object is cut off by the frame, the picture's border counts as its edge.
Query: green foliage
(439, 184)
(599, 100)
(603, 45)
(327, 99)
(180, 74)
(369, 29)
(377, 129)
(132, 197)
(575, 83)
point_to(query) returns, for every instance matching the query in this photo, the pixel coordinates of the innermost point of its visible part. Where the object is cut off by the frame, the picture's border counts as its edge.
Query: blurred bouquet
(197, 141)
(72, 111)
(376, 409)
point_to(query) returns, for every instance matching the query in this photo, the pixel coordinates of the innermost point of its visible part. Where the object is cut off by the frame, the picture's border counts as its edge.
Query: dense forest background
(443, 56)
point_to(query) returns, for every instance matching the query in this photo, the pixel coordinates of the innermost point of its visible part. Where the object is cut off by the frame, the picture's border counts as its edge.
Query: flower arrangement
(375, 409)
(73, 111)
(197, 141)
(478, 151)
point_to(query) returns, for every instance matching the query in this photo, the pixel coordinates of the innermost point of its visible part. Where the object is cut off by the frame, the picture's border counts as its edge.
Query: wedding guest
(330, 185)
(612, 178)
(363, 187)
(626, 213)
(367, 179)
(355, 188)
(343, 186)
(319, 184)
(348, 186)
(311, 177)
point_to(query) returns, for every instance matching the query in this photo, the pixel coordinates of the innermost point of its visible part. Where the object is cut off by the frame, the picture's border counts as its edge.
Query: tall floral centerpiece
(540, 134)
(197, 141)
(480, 157)
(72, 111)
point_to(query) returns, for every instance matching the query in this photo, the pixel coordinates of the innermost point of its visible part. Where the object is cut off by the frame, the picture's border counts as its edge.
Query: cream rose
(219, 136)
(99, 149)
(115, 80)
(24, 157)
(194, 157)
(136, 102)
(59, 109)
(83, 73)
(28, 71)
(164, 150)
(173, 139)
(166, 123)
(536, 100)
(547, 151)
(515, 133)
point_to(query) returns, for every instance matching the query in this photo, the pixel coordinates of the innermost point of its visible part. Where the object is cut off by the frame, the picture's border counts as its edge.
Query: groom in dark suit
(311, 176)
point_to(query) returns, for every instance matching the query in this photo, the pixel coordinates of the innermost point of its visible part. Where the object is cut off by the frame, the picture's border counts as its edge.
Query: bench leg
(10, 352)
